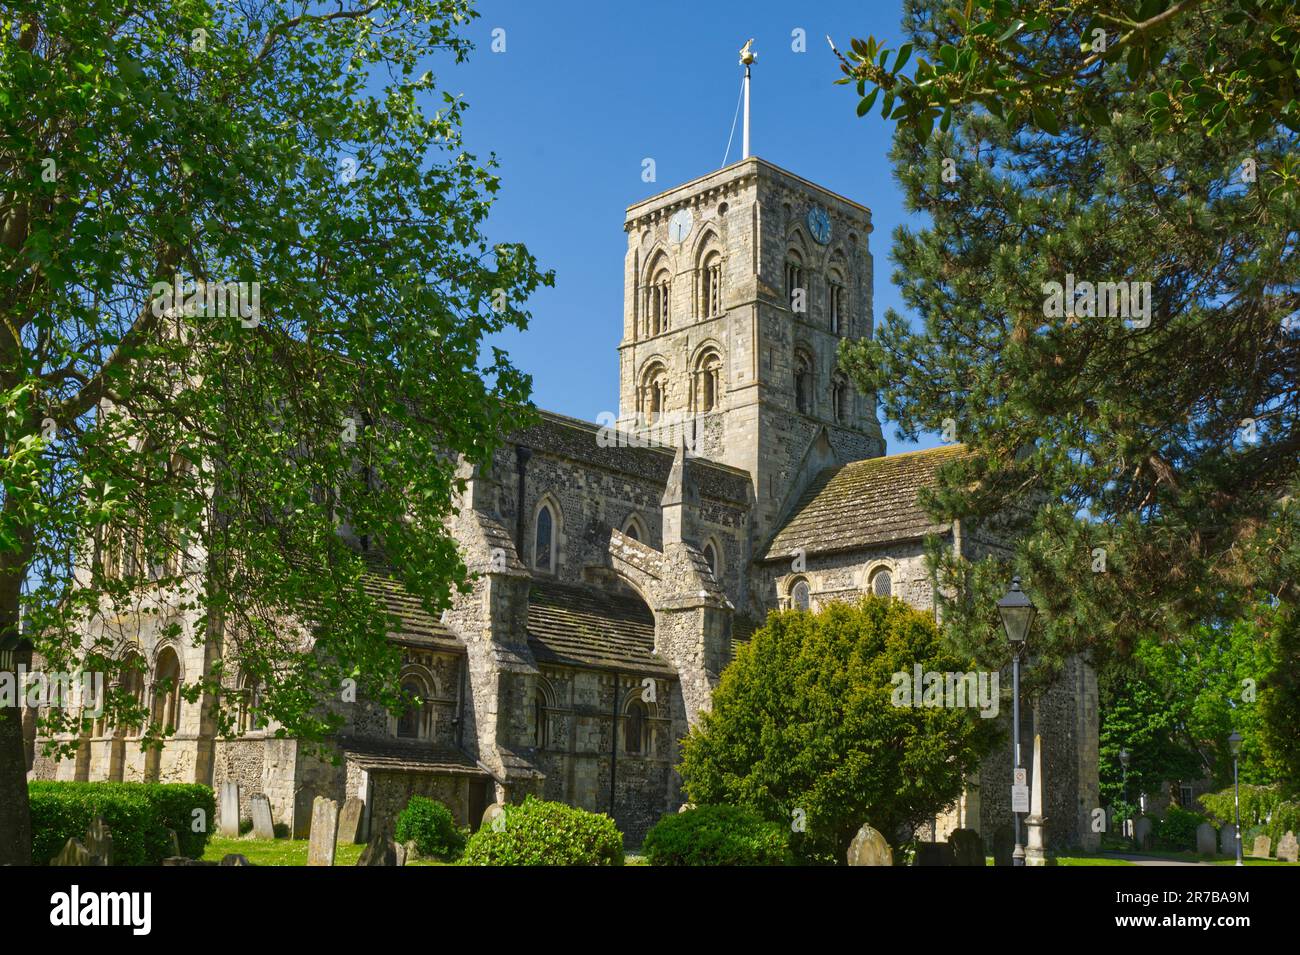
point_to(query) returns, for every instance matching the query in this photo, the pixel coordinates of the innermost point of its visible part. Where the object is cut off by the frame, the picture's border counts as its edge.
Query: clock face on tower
(679, 226)
(819, 223)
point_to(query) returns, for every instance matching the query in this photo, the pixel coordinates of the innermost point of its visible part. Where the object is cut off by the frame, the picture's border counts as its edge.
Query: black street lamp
(1017, 612)
(1234, 743)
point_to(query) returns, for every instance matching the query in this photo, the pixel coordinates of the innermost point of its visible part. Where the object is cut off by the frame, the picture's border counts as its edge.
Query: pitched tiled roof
(580, 626)
(409, 757)
(578, 440)
(417, 627)
(864, 503)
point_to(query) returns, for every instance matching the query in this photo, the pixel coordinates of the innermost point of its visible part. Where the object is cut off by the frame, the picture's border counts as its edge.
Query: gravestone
(99, 842)
(381, 850)
(1004, 844)
(1262, 847)
(230, 809)
(324, 831)
(1206, 838)
(1287, 848)
(1228, 840)
(870, 848)
(173, 843)
(263, 825)
(933, 854)
(235, 858)
(406, 851)
(1142, 832)
(72, 853)
(350, 820)
(967, 847)
(491, 813)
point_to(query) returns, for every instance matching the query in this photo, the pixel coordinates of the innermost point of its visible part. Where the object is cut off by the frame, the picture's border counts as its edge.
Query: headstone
(229, 810)
(1004, 844)
(185, 860)
(381, 850)
(933, 854)
(1263, 844)
(870, 848)
(350, 820)
(967, 847)
(99, 842)
(263, 824)
(406, 851)
(491, 813)
(234, 858)
(324, 831)
(1142, 832)
(72, 853)
(1206, 839)
(1228, 840)
(1287, 848)
(173, 843)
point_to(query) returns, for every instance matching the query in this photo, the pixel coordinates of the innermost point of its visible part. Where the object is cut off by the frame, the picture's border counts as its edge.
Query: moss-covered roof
(416, 626)
(408, 756)
(581, 626)
(864, 503)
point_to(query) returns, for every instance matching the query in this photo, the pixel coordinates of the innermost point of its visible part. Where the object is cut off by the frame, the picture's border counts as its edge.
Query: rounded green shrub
(1177, 831)
(546, 833)
(716, 835)
(429, 824)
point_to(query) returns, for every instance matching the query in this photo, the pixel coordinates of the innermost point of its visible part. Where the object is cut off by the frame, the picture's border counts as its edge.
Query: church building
(619, 564)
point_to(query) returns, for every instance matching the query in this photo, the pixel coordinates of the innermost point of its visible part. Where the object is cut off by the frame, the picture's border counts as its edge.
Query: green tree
(1052, 64)
(188, 454)
(805, 728)
(1139, 439)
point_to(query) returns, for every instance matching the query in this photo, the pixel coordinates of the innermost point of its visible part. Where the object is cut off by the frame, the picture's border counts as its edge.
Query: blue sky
(584, 92)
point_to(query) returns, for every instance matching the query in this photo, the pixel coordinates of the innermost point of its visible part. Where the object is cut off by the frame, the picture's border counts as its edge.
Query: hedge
(546, 833)
(138, 816)
(716, 835)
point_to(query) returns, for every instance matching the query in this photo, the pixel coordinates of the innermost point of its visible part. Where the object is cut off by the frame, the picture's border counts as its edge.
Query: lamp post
(1234, 743)
(1017, 612)
(1123, 762)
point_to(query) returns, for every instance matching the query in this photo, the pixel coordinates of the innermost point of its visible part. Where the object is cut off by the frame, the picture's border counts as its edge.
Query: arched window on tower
(840, 400)
(711, 285)
(796, 292)
(652, 392)
(803, 383)
(657, 303)
(544, 540)
(838, 306)
(707, 381)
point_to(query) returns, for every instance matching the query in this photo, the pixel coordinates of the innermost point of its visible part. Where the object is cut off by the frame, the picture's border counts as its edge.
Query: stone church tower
(739, 287)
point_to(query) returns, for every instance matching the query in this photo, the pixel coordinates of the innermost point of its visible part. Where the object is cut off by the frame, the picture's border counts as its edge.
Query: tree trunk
(15, 811)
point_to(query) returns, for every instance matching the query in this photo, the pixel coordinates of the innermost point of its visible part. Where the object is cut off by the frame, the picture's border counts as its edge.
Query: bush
(137, 814)
(716, 835)
(1261, 806)
(811, 716)
(546, 833)
(1177, 831)
(429, 824)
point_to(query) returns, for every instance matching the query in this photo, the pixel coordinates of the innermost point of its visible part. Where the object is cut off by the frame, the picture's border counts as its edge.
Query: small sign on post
(1020, 798)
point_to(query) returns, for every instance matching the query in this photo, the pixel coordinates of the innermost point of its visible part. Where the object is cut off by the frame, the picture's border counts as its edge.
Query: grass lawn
(284, 852)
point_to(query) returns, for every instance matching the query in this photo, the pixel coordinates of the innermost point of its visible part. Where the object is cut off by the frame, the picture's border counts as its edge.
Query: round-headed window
(882, 583)
(800, 595)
